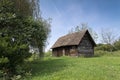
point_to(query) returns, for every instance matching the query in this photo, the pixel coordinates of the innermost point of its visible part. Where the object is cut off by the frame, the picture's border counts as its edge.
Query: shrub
(105, 47)
(99, 53)
(117, 45)
(48, 54)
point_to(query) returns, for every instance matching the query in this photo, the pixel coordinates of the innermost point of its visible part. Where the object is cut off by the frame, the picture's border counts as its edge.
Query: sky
(66, 14)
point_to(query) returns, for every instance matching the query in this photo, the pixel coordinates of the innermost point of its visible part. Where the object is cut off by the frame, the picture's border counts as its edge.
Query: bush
(48, 54)
(117, 45)
(99, 53)
(105, 47)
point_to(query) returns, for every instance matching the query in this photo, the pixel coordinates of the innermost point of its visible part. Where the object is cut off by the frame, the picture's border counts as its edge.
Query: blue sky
(67, 14)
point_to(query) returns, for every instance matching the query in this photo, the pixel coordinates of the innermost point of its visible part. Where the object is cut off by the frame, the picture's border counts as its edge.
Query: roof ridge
(74, 32)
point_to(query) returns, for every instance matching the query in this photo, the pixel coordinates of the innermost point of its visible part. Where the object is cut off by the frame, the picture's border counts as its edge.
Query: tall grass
(99, 53)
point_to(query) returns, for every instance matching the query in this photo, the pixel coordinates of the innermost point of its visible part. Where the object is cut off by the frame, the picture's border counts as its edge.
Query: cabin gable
(86, 46)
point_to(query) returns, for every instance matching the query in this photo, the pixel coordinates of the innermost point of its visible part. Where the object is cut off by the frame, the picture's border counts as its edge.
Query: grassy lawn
(72, 68)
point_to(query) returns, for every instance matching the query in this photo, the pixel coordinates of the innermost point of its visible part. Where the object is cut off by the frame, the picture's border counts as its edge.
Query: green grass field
(73, 68)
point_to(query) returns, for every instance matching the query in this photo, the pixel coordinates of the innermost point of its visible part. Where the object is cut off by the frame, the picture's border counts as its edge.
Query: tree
(17, 32)
(41, 30)
(13, 45)
(84, 26)
(27, 8)
(117, 44)
(32, 8)
(108, 36)
(105, 47)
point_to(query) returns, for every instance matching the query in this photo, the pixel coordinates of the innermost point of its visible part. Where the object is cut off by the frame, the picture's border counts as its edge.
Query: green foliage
(17, 32)
(105, 47)
(48, 54)
(27, 8)
(99, 53)
(117, 45)
(108, 47)
(12, 55)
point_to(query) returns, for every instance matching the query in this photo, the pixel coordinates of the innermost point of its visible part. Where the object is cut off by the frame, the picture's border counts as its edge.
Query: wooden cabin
(74, 44)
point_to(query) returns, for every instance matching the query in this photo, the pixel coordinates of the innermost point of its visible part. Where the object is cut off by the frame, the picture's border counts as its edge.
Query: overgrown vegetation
(107, 49)
(48, 53)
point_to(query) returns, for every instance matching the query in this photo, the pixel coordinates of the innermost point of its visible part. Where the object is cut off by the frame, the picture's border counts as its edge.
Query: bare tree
(84, 26)
(108, 36)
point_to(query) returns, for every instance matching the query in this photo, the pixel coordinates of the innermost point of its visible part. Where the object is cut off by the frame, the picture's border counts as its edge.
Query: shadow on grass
(47, 67)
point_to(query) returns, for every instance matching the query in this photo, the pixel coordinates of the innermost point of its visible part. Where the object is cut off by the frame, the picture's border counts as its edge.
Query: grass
(72, 68)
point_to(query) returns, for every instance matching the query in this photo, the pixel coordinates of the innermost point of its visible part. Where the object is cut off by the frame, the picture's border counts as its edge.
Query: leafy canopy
(17, 32)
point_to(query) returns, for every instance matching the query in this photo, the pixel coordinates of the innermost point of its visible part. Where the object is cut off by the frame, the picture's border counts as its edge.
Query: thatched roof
(70, 39)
